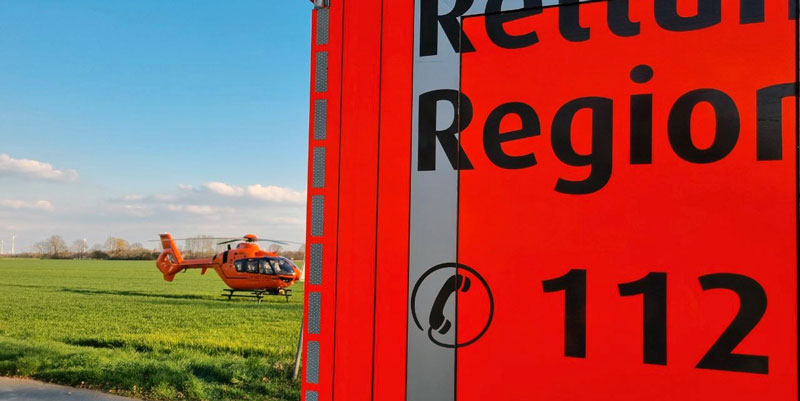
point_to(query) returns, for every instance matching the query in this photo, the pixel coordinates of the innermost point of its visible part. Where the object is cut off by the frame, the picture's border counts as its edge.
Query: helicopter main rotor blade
(283, 242)
(186, 239)
(229, 240)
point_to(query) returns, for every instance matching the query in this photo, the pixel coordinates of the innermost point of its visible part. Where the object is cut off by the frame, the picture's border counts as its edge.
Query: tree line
(116, 248)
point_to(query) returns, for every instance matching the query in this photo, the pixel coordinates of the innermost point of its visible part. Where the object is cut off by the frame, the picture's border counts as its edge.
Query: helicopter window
(240, 266)
(264, 267)
(283, 266)
(274, 264)
(252, 266)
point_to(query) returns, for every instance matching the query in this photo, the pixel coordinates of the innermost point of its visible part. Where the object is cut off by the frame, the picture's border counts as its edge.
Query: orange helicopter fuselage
(246, 267)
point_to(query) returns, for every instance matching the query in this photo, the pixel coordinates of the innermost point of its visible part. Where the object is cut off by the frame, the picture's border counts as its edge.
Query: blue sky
(150, 116)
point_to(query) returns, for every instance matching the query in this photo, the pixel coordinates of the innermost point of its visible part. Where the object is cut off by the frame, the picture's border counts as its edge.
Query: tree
(79, 248)
(57, 245)
(297, 254)
(41, 248)
(199, 246)
(98, 254)
(52, 247)
(116, 246)
(275, 248)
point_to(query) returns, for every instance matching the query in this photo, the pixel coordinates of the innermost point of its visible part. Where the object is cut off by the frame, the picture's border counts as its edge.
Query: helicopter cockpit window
(284, 266)
(280, 266)
(240, 266)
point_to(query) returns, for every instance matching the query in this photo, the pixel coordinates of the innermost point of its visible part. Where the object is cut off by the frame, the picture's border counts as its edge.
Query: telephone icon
(454, 283)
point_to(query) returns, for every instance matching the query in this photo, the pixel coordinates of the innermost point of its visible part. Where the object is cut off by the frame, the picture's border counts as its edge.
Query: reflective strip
(318, 170)
(315, 265)
(320, 119)
(317, 204)
(314, 305)
(430, 369)
(317, 214)
(433, 223)
(312, 362)
(322, 26)
(321, 81)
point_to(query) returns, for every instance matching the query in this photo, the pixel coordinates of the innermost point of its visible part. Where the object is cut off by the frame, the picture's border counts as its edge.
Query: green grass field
(118, 326)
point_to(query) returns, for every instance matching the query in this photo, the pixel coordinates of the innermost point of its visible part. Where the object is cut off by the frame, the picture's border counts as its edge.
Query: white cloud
(275, 194)
(197, 209)
(135, 210)
(34, 169)
(269, 193)
(266, 210)
(224, 189)
(32, 205)
(165, 197)
(300, 221)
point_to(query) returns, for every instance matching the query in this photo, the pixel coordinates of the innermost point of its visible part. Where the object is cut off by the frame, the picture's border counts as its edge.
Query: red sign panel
(628, 196)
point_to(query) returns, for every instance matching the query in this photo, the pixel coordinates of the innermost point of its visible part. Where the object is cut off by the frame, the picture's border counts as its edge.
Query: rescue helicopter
(244, 268)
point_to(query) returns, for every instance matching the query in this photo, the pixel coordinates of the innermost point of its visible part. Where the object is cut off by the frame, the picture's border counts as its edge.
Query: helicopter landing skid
(257, 294)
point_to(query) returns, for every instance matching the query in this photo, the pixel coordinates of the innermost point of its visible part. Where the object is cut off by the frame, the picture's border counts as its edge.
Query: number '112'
(653, 288)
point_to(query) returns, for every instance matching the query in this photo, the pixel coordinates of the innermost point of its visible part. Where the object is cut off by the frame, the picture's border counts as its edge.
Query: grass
(119, 327)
